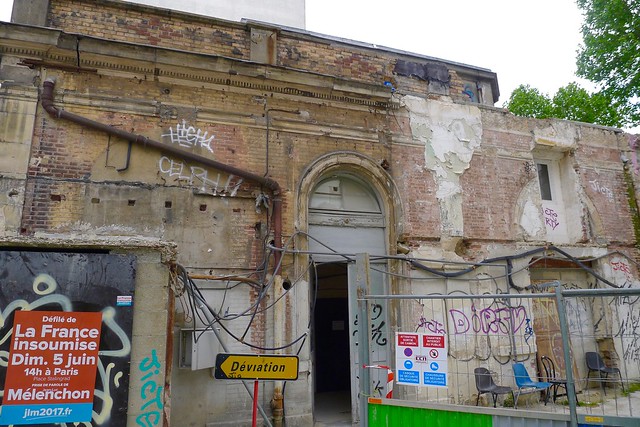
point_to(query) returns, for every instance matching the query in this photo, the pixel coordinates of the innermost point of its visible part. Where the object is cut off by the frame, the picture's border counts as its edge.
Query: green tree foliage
(574, 103)
(529, 102)
(570, 103)
(610, 55)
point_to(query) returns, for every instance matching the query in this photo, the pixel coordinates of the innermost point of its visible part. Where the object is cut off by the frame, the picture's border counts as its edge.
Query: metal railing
(496, 330)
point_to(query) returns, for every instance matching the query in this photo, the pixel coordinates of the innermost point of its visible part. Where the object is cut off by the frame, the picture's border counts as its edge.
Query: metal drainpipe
(279, 316)
(276, 191)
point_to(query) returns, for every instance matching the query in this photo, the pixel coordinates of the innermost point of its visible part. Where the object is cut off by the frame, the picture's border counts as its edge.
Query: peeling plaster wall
(530, 218)
(557, 141)
(465, 174)
(450, 133)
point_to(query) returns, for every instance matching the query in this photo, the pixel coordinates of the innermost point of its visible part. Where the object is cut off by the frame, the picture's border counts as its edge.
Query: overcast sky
(523, 41)
(531, 42)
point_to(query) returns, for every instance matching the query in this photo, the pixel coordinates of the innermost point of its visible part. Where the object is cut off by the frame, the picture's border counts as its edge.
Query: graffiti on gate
(628, 325)
(477, 328)
(378, 388)
(432, 325)
(378, 330)
(528, 330)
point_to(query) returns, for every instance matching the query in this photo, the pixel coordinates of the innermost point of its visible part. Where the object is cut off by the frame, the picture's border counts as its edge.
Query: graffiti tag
(188, 136)
(151, 391)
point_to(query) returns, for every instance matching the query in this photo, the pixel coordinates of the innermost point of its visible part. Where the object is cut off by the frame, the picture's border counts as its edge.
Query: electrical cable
(266, 287)
(288, 290)
(191, 287)
(506, 258)
(193, 293)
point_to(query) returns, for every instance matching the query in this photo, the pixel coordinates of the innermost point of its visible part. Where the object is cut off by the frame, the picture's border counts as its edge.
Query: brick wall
(174, 30)
(492, 186)
(65, 157)
(137, 24)
(74, 188)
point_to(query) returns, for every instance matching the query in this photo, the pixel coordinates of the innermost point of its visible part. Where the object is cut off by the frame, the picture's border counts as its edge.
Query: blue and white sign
(408, 377)
(421, 359)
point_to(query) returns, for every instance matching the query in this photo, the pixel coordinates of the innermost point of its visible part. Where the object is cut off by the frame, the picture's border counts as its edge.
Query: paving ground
(332, 409)
(592, 402)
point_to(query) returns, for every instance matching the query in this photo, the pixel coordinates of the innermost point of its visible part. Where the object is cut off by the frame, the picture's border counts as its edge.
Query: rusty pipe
(47, 103)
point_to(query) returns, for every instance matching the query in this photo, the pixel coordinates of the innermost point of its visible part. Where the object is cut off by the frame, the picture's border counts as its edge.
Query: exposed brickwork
(421, 208)
(334, 59)
(58, 156)
(491, 188)
(74, 188)
(138, 24)
(456, 85)
(607, 192)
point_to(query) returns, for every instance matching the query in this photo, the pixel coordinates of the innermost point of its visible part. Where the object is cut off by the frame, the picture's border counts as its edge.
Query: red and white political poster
(51, 372)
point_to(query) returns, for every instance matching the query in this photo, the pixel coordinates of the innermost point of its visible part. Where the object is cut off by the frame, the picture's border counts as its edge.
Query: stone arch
(363, 168)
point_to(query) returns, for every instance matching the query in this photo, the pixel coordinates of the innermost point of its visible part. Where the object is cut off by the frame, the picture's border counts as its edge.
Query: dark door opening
(332, 400)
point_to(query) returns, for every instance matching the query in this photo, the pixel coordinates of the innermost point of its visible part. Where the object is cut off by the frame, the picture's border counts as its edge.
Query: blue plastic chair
(524, 382)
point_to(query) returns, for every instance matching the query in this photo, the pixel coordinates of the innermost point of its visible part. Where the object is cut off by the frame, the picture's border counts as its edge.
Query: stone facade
(456, 177)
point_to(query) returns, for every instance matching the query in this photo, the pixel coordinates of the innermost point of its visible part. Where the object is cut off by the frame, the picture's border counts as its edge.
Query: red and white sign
(52, 360)
(408, 340)
(421, 359)
(436, 341)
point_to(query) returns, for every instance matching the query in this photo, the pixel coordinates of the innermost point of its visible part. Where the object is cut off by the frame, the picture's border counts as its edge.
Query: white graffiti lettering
(187, 136)
(198, 177)
(595, 185)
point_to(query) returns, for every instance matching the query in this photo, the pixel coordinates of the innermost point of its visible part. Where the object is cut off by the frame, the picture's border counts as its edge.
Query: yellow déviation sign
(256, 367)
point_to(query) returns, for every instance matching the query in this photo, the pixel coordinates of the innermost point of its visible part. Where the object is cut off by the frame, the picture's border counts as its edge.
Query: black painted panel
(54, 281)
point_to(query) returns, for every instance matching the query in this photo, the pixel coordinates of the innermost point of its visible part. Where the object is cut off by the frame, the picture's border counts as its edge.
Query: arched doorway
(345, 217)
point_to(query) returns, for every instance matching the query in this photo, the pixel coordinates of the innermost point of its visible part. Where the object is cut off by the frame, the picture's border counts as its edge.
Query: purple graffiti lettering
(489, 320)
(460, 322)
(430, 325)
(551, 218)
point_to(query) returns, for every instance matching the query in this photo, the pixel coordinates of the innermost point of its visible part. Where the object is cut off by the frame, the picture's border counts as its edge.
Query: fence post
(363, 289)
(564, 331)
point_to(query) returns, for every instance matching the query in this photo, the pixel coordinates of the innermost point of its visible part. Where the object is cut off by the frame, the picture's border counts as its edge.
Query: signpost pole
(255, 404)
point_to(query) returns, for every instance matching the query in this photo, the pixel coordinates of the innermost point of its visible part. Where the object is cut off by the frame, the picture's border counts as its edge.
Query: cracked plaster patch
(450, 133)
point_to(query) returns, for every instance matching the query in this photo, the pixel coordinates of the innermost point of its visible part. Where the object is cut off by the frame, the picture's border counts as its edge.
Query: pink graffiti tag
(623, 267)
